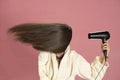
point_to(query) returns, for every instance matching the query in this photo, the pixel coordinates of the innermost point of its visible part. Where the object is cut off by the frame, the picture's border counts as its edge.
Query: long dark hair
(52, 37)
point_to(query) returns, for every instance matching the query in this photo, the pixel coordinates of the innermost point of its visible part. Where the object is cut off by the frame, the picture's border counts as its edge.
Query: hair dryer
(100, 35)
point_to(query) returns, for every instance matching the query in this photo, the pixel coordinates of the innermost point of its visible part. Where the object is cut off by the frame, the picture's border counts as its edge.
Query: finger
(105, 41)
(105, 48)
(105, 44)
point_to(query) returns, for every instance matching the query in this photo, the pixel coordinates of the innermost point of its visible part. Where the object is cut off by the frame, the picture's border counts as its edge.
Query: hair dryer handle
(105, 54)
(104, 51)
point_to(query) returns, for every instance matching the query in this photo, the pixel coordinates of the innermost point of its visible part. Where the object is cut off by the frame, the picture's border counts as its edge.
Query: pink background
(19, 61)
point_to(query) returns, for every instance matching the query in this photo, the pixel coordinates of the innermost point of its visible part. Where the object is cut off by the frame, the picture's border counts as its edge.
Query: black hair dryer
(105, 35)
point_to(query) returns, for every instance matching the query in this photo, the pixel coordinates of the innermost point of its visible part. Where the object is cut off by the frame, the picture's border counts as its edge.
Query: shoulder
(75, 54)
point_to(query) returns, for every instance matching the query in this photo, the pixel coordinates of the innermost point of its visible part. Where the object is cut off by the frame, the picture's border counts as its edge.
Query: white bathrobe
(72, 64)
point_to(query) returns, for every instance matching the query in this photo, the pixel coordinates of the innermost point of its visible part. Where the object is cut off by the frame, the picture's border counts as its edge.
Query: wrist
(102, 60)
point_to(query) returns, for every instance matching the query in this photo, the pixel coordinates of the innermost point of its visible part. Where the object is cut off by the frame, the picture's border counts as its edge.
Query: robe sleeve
(89, 71)
(42, 60)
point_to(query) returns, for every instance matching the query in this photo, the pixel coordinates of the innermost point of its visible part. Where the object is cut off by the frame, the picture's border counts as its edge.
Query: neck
(59, 58)
(59, 55)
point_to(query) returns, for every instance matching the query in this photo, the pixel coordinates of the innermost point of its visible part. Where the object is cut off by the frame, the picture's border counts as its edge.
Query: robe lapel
(64, 71)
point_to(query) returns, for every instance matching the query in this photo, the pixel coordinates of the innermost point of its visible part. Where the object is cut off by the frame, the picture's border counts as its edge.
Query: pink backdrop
(19, 61)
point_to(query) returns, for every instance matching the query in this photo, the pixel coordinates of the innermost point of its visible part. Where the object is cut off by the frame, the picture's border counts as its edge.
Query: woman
(56, 60)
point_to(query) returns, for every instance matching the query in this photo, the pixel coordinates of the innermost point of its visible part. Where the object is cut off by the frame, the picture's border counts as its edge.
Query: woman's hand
(105, 46)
